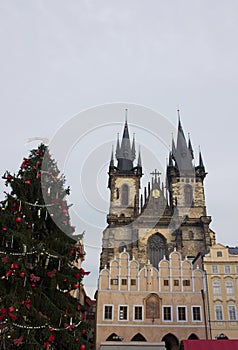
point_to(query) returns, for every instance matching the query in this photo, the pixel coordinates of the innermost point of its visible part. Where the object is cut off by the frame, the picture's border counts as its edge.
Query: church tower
(124, 185)
(166, 217)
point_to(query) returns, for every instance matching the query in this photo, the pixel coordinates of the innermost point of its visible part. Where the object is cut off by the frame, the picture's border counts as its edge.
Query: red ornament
(76, 340)
(76, 286)
(78, 308)
(65, 211)
(82, 347)
(29, 226)
(22, 275)
(84, 331)
(65, 280)
(33, 285)
(4, 229)
(27, 182)
(18, 219)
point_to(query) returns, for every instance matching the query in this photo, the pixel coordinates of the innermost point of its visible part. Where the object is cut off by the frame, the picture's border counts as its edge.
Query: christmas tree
(40, 276)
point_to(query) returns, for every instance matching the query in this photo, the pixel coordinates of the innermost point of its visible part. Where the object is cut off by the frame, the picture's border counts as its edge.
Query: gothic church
(166, 217)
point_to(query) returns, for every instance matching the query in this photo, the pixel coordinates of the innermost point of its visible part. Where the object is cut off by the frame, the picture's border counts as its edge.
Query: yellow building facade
(220, 264)
(149, 304)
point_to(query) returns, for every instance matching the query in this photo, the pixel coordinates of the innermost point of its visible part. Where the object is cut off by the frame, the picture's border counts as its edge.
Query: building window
(181, 310)
(191, 235)
(124, 194)
(176, 283)
(166, 282)
(216, 286)
(219, 254)
(196, 312)
(133, 282)
(167, 313)
(188, 194)
(215, 269)
(138, 313)
(123, 310)
(229, 288)
(227, 269)
(124, 282)
(156, 248)
(232, 312)
(186, 283)
(108, 312)
(114, 282)
(218, 313)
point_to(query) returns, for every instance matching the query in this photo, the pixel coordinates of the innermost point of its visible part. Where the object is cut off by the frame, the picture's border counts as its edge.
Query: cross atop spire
(156, 174)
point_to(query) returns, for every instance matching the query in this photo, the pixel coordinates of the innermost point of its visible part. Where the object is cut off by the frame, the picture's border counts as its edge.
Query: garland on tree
(38, 261)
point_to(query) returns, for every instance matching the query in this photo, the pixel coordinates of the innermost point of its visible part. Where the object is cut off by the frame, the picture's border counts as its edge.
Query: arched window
(171, 341)
(114, 337)
(193, 336)
(188, 194)
(138, 337)
(124, 194)
(156, 249)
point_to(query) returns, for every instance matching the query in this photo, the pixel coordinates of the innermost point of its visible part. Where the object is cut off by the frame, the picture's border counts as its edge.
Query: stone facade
(148, 289)
(164, 217)
(150, 304)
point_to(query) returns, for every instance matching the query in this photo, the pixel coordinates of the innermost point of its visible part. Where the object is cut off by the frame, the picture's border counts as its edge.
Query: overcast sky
(61, 57)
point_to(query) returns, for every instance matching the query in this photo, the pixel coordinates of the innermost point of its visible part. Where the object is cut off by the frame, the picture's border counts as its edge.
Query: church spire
(139, 164)
(190, 147)
(125, 153)
(183, 154)
(201, 164)
(112, 159)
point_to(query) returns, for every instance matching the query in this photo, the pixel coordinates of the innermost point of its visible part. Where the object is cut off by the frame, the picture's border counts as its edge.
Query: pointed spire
(183, 153)
(181, 141)
(173, 148)
(139, 164)
(190, 147)
(170, 159)
(118, 150)
(201, 164)
(112, 158)
(133, 148)
(126, 132)
(125, 153)
(179, 121)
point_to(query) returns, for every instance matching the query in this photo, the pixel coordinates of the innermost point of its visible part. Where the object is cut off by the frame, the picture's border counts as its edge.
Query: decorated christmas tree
(40, 274)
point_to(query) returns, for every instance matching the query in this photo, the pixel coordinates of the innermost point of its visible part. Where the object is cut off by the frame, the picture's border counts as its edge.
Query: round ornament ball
(76, 286)
(82, 347)
(84, 331)
(76, 340)
(18, 219)
(27, 182)
(22, 275)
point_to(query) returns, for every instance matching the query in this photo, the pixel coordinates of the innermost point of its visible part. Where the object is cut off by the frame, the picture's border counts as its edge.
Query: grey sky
(58, 58)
